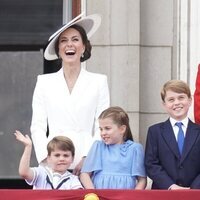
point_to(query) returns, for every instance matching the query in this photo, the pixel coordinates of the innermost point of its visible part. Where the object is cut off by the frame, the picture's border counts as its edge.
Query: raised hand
(23, 139)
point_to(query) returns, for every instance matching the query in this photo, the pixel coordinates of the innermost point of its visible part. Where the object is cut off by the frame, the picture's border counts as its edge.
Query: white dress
(74, 114)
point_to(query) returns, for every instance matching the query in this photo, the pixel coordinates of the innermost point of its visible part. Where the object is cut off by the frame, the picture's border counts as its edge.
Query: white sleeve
(103, 103)
(39, 122)
(32, 182)
(75, 183)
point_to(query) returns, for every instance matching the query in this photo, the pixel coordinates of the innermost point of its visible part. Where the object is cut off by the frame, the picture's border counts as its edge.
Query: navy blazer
(163, 162)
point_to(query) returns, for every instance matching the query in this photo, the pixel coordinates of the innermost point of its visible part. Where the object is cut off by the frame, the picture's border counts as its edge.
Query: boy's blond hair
(177, 86)
(62, 143)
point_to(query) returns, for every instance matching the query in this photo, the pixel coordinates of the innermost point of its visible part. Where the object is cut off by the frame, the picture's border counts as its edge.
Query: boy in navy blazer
(167, 166)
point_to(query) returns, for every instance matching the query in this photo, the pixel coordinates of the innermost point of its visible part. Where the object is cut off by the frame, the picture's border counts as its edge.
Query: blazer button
(181, 167)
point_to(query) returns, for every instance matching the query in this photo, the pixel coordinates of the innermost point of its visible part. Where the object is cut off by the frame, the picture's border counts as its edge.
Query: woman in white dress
(69, 101)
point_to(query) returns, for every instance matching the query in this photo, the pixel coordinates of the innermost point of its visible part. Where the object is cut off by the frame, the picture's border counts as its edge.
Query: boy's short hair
(62, 143)
(177, 86)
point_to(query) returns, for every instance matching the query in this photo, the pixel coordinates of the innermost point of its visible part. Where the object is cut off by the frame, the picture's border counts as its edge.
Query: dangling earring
(82, 55)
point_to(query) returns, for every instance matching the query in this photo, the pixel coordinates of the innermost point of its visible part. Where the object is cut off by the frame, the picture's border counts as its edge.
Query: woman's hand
(77, 169)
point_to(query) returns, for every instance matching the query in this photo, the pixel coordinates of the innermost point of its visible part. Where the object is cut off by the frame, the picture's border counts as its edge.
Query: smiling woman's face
(70, 46)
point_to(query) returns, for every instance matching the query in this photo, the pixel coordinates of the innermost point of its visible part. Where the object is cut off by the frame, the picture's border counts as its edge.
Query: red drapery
(102, 194)
(197, 98)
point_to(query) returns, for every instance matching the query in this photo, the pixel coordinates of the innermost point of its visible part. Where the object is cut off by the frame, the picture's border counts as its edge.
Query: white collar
(184, 121)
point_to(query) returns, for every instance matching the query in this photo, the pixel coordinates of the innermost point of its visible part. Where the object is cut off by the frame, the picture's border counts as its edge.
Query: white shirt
(40, 179)
(175, 127)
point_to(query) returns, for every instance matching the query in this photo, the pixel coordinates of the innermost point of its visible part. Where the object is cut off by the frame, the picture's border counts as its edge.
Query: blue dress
(115, 166)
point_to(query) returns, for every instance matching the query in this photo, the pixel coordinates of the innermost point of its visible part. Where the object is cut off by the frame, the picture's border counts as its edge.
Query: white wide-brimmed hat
(90, 24)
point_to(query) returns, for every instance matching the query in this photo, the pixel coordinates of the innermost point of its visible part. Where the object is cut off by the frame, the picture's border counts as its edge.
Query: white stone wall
(116, 52)
(140, 45)
(134, 48)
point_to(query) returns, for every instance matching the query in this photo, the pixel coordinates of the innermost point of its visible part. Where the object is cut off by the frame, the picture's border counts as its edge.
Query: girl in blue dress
(115, 162)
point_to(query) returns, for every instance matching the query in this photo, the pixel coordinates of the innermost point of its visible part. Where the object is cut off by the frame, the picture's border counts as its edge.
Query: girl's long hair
(119, 117)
